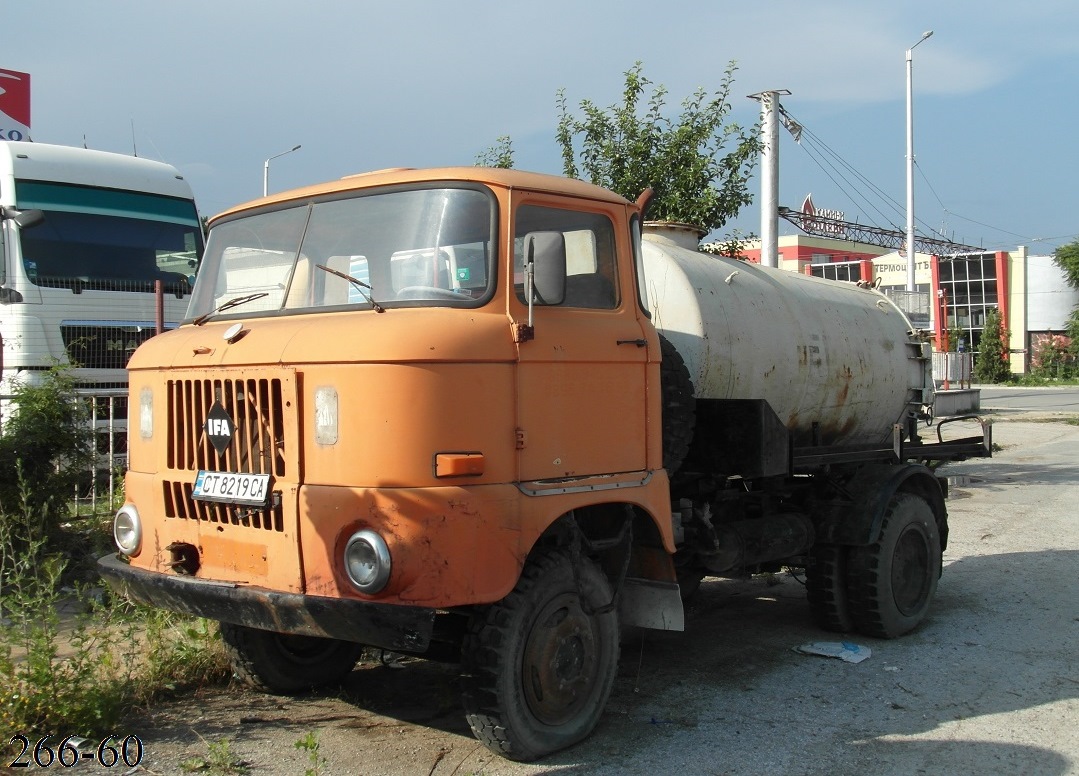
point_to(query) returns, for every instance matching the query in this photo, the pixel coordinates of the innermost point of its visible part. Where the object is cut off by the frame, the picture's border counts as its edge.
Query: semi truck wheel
(826, 588)
(539, 665)
(891, 583)
(282, 664)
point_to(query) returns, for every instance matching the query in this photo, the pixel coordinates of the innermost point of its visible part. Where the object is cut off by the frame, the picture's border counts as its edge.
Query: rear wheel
(891, 583)
(540, 664)
(281, 663)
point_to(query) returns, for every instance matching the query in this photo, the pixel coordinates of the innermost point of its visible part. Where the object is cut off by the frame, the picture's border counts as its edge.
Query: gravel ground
(989, 684)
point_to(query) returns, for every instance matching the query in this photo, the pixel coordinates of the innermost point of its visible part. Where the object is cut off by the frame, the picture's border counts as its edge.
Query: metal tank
(818, 351)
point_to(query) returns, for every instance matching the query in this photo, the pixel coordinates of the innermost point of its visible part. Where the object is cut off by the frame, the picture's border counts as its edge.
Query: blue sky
(215, 88)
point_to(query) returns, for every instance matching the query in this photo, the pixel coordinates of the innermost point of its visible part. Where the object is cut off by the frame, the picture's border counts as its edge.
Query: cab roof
(494, 176)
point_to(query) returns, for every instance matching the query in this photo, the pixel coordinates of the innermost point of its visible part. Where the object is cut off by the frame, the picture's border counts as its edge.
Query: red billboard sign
(14, 105)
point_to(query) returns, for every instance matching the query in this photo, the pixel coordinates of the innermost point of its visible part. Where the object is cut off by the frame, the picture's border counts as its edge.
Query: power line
(849, 181)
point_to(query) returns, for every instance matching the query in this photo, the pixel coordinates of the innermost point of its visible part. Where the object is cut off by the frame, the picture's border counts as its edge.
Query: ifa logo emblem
(219, 428)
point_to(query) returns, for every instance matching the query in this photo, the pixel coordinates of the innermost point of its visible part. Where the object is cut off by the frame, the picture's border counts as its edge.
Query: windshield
(399, 248)
(124, 247)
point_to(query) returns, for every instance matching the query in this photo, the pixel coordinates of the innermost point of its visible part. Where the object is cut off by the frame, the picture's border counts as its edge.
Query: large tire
(891, 583)
(679, 406)
(539, 665)
(282, 664)
(826, 588)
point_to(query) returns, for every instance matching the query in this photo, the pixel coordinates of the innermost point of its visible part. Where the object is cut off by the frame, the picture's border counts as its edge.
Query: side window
(591, 281)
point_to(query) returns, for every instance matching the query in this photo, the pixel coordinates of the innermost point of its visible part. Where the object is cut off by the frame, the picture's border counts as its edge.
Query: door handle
(638, 342)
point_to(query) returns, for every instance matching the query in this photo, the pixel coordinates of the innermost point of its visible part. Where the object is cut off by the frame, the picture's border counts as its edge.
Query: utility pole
(910, 162)
(769, 175)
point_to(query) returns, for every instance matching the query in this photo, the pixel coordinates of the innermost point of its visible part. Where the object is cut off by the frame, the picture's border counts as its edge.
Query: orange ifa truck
(472, 414)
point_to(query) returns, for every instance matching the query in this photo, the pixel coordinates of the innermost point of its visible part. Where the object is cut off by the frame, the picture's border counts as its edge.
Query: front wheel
(891, 583)
(540, 664)
(280, 663)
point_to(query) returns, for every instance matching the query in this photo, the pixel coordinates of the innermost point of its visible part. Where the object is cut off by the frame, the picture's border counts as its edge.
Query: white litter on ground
(844, 650)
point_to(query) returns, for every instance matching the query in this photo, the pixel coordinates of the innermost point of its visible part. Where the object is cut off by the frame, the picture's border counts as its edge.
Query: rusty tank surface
(838, 364)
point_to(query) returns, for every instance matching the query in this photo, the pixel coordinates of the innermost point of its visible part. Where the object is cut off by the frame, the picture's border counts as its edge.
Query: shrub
(46, 446)
(991, 365)
(1053, 357)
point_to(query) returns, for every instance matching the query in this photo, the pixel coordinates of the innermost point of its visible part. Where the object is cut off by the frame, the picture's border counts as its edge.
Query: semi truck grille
(256, 408)
(103, 347)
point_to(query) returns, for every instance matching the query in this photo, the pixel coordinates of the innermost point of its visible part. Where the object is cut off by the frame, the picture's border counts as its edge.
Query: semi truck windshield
(108, 240)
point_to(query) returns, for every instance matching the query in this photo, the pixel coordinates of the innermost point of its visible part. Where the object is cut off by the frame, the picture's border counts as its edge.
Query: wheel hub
(910, 571)
(559, 660)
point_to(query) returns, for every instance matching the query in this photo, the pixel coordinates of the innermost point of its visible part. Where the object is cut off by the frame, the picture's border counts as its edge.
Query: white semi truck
(84, 238)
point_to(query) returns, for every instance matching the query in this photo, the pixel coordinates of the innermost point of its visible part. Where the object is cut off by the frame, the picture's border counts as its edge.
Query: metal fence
(106, 413)
(952, 371)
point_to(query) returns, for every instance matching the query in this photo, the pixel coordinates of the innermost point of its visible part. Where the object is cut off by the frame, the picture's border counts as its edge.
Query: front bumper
(401, 628)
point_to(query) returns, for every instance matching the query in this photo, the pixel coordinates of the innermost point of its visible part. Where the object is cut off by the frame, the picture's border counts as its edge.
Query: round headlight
(127, 530)
(367, 561)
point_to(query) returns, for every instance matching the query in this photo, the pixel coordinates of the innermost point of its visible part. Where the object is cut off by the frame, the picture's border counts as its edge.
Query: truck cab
(381, 418)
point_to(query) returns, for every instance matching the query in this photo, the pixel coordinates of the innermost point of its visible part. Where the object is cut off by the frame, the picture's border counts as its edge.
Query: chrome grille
(103, 347)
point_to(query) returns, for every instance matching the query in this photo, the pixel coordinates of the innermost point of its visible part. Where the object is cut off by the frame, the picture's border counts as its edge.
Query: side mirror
(24, 218)
(546, 253)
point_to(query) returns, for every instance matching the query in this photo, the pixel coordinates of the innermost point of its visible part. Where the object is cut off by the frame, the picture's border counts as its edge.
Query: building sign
(822, 222)
(14, 105)
(892, 270)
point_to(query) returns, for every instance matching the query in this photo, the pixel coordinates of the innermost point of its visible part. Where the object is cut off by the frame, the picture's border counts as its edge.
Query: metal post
(910, 163)
(159, 299)
(944, 332)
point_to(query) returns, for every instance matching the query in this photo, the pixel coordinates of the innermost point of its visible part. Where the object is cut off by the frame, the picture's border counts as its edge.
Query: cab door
(581, 390)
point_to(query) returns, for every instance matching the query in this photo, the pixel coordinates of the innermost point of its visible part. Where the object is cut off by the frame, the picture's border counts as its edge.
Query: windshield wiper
(359, 286)
(236, 301)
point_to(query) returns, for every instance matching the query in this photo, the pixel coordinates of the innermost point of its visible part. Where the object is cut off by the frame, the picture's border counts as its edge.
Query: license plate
(232, 488)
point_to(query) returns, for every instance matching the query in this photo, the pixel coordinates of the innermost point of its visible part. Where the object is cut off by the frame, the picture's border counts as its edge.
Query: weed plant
(311, 744)
(218, 761)
(73, 659)
(58, 646)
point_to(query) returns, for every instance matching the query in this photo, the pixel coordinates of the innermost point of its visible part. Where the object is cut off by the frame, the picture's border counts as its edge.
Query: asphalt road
(1019, 399)
(988, 685)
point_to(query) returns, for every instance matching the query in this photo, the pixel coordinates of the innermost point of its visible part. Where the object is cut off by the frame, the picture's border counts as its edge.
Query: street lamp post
(943, 343)
(910, 163)
(266, 168)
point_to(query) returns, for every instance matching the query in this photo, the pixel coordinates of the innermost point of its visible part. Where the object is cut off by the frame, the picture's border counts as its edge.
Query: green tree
(991, 365)
(698, 164)
(1067, 258)
(498, 155)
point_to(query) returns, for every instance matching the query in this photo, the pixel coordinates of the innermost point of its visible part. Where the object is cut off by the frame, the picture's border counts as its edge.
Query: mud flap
(647, 603)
